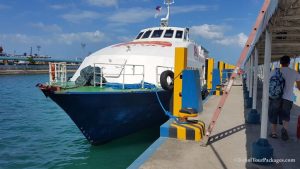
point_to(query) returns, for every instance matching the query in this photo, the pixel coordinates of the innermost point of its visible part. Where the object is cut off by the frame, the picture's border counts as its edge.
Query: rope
(167, 113)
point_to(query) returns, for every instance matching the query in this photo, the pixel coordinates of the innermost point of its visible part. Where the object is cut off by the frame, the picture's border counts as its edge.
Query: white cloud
(63, 38)
(216, 34)
(242, 39)
(57, 6)
(192, 8)
(46, 28)
(81, 16)
(103, 3)
(132, 15)
(63, 6)
(21, 38)
(209, 31)
(139, 14)
(239, 39)
(70, 38)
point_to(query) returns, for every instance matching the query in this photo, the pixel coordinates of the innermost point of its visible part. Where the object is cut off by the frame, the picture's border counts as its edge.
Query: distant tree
(1, 49)
(31, 60)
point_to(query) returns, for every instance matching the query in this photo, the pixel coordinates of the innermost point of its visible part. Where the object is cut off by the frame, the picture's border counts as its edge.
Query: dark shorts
(279, 110)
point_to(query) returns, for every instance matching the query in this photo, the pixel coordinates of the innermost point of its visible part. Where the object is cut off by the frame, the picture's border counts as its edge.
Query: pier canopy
(282, 19)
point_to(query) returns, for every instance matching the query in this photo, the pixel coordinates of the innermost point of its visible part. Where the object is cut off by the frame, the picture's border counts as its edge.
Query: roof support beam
(285, 28)
(292, 17)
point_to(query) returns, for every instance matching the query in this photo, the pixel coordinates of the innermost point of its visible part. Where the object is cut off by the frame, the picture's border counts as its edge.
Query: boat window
(179, 34)
(169, 34)
(139, 36)
(185, 35)
(157, 34)
(147, 34)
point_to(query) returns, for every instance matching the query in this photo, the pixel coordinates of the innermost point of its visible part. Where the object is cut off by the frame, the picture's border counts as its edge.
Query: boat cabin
(164, 33)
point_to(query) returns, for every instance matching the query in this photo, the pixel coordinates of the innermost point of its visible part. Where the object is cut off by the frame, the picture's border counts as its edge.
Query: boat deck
(232, 146)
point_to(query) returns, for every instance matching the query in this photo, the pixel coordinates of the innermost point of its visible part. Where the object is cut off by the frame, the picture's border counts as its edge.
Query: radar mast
(164, 22)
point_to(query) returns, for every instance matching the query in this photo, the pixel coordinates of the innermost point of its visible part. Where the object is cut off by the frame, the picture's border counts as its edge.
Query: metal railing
(58, 73)
(103, 74)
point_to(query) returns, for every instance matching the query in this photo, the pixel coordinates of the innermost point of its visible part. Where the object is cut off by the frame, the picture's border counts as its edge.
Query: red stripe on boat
(147, 43)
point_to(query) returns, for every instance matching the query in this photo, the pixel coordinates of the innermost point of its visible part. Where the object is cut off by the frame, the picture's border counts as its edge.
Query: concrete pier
(230, 142)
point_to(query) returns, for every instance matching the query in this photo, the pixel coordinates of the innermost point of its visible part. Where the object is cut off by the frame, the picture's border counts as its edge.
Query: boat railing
(58, 73)
(159, 70)
(135, 70)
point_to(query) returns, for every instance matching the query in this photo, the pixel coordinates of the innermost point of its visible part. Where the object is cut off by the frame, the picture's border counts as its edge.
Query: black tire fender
(164, 80)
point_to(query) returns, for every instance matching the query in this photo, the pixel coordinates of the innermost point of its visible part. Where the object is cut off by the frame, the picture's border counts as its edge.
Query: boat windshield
(139, 35)
(157, 34)
(179, 34)
(147, 34)
(169, 33)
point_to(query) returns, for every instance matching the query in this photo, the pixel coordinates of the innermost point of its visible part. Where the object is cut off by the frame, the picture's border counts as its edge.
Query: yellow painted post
(180, 65)
(209, 72)
(221, 68)
(297, 67)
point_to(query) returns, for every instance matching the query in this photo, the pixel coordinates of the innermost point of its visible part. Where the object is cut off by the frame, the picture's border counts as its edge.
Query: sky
(70, 29)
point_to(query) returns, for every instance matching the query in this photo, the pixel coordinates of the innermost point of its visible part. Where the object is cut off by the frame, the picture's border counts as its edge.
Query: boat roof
(164, 28)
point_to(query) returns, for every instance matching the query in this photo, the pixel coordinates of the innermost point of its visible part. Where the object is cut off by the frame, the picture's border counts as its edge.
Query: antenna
(83, 45)
(164, 22)
(38, 49)
(169, 2)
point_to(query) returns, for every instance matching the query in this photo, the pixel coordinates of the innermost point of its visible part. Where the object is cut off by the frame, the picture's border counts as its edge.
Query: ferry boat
(113, 92)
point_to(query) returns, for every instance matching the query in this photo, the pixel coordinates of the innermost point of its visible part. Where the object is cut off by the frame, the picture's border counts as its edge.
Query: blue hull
(103, 116)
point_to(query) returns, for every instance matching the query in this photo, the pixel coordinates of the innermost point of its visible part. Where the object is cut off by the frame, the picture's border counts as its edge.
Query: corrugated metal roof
(283, 21)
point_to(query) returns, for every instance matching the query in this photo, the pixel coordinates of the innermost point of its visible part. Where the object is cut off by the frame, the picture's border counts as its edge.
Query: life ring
(52, 71)
(167, 80)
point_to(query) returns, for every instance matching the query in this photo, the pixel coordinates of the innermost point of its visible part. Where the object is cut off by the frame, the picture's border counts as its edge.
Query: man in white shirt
(280, 109)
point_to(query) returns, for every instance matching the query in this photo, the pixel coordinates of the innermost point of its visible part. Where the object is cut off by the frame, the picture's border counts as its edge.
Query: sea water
(36, 133)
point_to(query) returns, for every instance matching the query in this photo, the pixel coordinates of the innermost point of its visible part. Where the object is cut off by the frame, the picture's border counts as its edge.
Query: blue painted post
(191, 90)
(216, 79)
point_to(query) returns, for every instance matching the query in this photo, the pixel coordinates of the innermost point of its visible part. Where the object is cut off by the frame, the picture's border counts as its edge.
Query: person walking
(279, 109)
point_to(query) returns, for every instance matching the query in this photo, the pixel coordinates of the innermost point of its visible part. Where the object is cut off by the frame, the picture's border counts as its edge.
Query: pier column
(265, 103)
(248, 76)
(247, 65)
(261, 149)
(255, 72)
(253, 117)
(249, 99)
(251, 76)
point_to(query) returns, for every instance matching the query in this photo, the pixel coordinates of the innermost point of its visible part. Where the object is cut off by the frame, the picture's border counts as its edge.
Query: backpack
(276, 86)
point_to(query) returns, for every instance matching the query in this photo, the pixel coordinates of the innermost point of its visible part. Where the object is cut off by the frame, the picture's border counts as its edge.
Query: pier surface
(231, 147)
